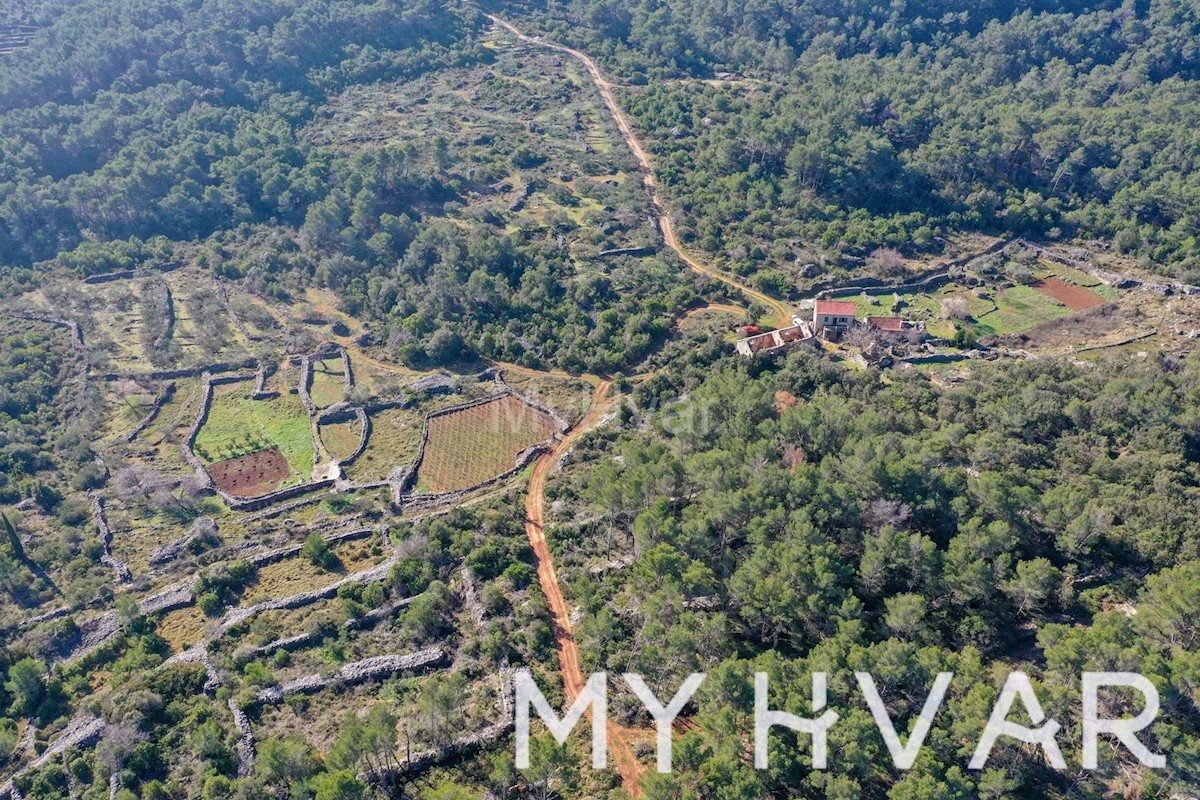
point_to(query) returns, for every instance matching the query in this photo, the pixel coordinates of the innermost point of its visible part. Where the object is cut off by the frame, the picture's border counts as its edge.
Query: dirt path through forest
(564, 636)
(568, 654)
(781, 313)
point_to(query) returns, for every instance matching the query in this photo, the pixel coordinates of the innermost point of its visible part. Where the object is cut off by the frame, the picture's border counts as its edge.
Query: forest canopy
(854, 126)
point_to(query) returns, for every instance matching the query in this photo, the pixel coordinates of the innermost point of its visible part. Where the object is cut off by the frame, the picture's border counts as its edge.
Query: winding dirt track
(568, 654)
(781, 313)
(564, 637)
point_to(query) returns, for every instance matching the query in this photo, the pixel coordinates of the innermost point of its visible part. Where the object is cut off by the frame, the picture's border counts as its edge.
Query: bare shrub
(955, 308)
(886, 262)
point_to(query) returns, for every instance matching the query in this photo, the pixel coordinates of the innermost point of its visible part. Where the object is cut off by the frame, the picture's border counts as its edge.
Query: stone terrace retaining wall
(344, 413)
(305, 382)
(347, 373)
(189, 441)
(353, 673)
(125, 274)
(106, 557)
(183, 372)
(166, 394)
(256, 503)
(260, 382)
(930, 279)
(279, 554)
(37, 316)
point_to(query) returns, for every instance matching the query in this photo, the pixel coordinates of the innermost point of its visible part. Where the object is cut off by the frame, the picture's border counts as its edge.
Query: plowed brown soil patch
(251, 475)
(1073, 297)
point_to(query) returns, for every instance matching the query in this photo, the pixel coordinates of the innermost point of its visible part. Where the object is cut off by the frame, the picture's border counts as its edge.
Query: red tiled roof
(887, 323)
(839, 308)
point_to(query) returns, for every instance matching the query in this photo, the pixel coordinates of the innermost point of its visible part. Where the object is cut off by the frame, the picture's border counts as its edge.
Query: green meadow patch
(238, 425)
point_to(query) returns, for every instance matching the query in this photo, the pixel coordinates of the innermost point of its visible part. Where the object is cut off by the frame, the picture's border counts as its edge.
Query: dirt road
(781, 313)
(564, 635)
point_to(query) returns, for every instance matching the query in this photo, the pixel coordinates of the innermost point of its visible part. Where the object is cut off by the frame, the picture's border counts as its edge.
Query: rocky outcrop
(433, 384)
(189, 441)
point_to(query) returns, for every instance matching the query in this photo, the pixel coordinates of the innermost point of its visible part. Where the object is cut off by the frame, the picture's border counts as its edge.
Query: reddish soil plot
(476, 444)
(251, 475)
(1073, 297)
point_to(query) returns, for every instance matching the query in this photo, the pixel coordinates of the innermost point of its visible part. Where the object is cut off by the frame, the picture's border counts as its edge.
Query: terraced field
(328, 382)
(472, 445)
(238, 425)
(395, 439)
(341, 438)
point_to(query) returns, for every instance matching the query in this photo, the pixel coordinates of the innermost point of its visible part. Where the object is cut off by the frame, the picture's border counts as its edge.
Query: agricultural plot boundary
(358, 413)
(188, 451)
(414, 500)
(163, 397)
(306, 375)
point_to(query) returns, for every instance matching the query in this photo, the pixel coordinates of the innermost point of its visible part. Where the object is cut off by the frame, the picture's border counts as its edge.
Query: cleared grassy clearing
(1019, 308)
(923, 307)
(341, 438)
(328, 382)
(238, 425)
(183, 627)
(395, 439)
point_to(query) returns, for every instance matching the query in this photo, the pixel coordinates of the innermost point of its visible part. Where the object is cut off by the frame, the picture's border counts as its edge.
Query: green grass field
(238, 425)
(1019, 308)
(341, 438)
(395, 439)
(328, 382)
(1010, 310)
